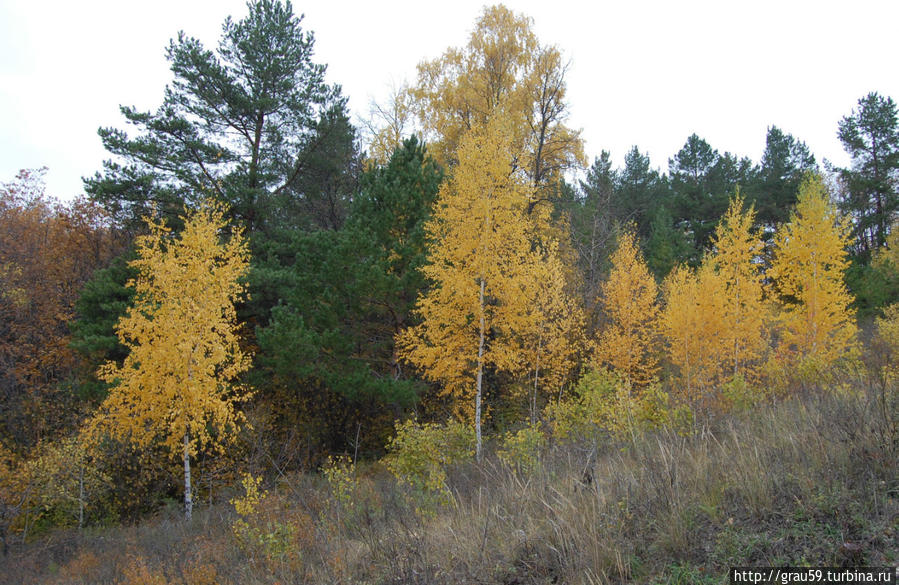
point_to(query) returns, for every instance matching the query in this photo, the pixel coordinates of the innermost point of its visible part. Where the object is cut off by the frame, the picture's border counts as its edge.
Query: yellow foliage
(888, 332)
(816, 320)
(629, 300)
(65, 481)
(340, 473)
(603, 401)
(503, 70)
(259, 530)
(736, 259)
(389, 125)
(248, 503)
(15, 488)
(553, 336)
(348, 501)
(887, 258)
(178, 379)
(693, 322)
(715, 317)
(484, 302)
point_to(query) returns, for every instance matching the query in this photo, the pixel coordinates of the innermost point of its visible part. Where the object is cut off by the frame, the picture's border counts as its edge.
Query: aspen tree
(177, 384)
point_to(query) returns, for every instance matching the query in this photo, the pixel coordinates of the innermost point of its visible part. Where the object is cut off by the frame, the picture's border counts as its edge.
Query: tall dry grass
(807, 480)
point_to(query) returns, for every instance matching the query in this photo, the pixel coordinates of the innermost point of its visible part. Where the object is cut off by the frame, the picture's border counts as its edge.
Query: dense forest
(314, 327)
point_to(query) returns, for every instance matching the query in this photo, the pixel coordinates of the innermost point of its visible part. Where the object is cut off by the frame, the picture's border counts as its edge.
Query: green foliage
(591, 218)
(340, 473)
(605, 403)
(419, 455)
(888, 335)
(104, 300)
(327, 305)
(702, 181)
(255, 531)
(784, 162)
(738, 395)
(521, 449)
(870, 136)
(639, 191)
(667, 246)
(252, 124)
(67, 482)
(330, 327)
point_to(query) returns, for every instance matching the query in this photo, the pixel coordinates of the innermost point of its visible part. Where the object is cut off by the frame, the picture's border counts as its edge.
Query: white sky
(642, 72)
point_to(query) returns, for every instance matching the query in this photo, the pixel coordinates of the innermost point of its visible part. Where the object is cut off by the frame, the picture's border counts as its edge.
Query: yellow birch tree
(475, 264)
(629, 300)
(177, 384)
(388, 124)
(503, 70)
(817, 321)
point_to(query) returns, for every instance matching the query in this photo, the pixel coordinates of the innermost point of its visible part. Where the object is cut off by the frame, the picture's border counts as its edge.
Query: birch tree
(478, 248)
(177, 384)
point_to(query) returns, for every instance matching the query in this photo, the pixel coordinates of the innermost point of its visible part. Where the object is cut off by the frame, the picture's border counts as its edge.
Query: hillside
(812, 480)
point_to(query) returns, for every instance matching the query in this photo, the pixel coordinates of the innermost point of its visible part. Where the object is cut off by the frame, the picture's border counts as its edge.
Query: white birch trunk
(477, 404)
(188, 498)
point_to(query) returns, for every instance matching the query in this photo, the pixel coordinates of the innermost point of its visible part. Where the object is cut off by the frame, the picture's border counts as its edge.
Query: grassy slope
(805, 481)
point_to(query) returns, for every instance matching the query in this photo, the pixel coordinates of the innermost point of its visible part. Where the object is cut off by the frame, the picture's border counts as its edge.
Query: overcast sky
(642, 73)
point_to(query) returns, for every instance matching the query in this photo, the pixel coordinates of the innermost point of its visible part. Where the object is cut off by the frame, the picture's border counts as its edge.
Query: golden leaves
(479, 235)
(810, 259)
(715, 317)
(181, 333)
(503, 71)
(737, 261)
(630, 304)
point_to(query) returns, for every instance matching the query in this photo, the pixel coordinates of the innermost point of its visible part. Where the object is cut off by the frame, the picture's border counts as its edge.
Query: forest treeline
(252, 282)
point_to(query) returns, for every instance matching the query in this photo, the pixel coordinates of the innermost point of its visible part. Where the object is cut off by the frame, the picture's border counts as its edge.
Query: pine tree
(251, 123)
(177, 383)
(871, 137)
(808, 267)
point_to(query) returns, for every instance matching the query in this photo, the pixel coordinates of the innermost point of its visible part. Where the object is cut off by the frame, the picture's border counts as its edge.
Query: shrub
(66, 483)
(521, 449)
(256, 531)
(603, 402)
(888, 334)
(419, 454)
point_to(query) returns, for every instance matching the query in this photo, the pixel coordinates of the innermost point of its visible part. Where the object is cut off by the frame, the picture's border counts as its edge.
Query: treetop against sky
(648, 73)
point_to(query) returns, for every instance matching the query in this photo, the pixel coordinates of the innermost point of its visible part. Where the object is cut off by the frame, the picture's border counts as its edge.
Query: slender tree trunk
(188, 499)
(477, 403)
(81, 496)
(536, 379)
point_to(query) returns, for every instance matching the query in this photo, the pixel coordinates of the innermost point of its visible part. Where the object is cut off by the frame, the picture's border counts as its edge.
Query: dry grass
(810, 480)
